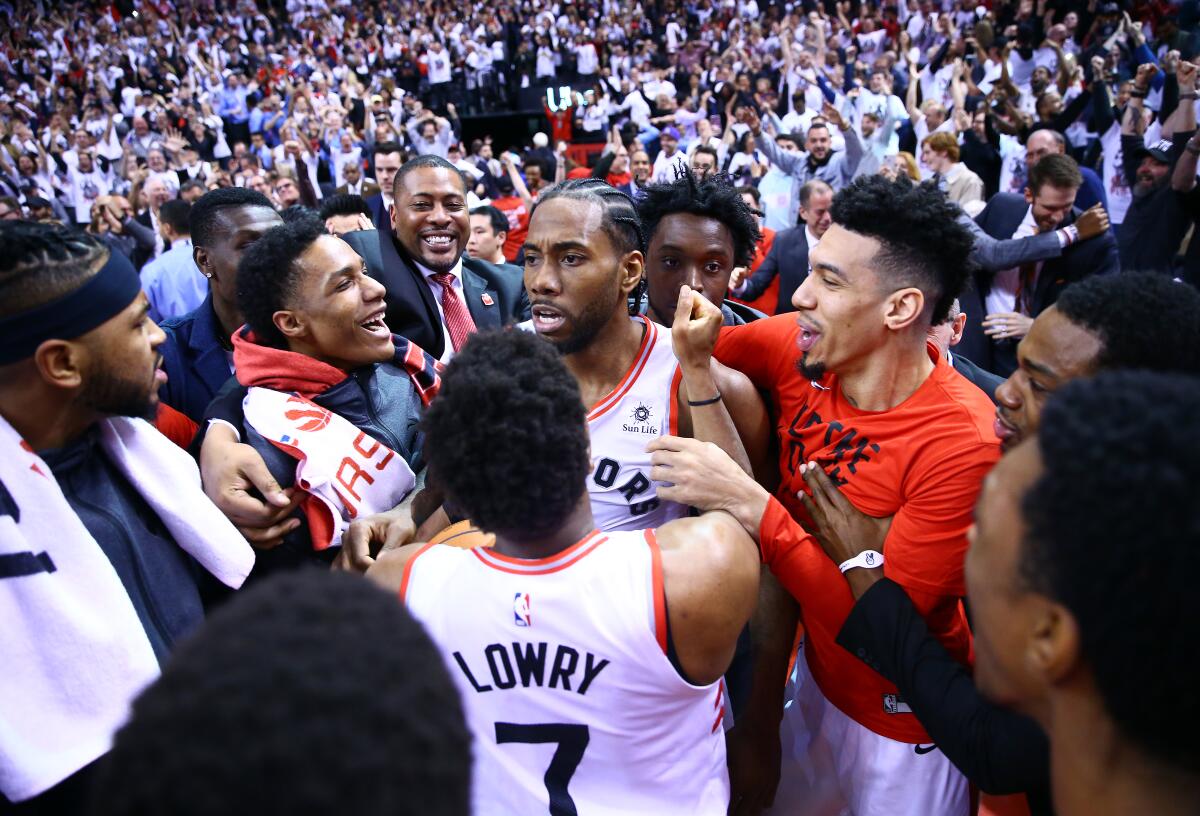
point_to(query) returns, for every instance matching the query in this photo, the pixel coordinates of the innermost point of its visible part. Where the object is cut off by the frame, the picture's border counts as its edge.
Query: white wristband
(868, 559)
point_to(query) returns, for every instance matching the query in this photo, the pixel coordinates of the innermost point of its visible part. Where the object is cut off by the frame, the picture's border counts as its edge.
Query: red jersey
(518, 224)
(922, 462)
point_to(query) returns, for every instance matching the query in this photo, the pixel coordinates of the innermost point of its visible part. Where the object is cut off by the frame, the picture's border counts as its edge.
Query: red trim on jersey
(719, 705)
(540, 566)
(673, 413)
(656, 588)
(608, 402)
(408, 570)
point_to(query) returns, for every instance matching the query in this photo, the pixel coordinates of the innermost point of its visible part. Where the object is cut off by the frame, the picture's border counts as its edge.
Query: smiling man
(435, 296)
(904, 435)
(333, 398)
(1082, 608)
(1133, 320)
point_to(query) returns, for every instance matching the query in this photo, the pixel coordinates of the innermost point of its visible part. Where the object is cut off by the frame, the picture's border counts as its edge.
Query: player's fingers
(398, 534)
(356, 549)
(254, 469)
(818, 489)
(829, 489)
(265, 538)
(683, 305)
(668, 443)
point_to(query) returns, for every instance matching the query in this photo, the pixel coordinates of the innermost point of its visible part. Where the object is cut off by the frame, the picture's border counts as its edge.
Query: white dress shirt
(1003, 294)
(436, 288)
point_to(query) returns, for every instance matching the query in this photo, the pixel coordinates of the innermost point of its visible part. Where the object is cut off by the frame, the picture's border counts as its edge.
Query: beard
(812, 371)
(114, 394)
(588, 325)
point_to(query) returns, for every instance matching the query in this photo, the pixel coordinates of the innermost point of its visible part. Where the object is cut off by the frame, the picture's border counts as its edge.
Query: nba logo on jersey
(521, 609)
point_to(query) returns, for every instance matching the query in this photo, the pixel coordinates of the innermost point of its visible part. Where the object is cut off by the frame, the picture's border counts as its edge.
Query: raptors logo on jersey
(562, 665)
(641, 408)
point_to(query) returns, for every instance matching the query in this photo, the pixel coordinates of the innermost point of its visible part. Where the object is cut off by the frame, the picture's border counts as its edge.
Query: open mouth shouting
(546, 318)
(808, 337)
(375, 324)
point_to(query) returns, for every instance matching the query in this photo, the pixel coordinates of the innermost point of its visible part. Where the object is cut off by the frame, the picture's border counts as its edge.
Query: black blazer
(379, 213)
(788, 258)
(1000, 219)
(495, 296)
(985, 381)
(141, 255)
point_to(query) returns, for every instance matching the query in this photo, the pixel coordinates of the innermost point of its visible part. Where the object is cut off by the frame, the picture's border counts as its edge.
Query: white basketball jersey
(561, 663)
(641, 408)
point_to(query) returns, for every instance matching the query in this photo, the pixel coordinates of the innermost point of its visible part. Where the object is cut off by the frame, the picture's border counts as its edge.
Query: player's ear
(633, 267)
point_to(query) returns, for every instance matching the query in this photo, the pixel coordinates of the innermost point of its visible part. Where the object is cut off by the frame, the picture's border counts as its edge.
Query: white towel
(74, 654)
(346, 472)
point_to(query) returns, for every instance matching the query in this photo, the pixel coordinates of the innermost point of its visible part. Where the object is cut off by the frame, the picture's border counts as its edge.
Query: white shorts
(832, 766)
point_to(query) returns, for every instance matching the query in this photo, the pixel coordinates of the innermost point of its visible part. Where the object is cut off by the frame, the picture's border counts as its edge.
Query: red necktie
(458, 319)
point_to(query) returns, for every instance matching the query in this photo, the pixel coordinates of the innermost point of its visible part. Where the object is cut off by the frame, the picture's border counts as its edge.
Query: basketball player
(589, 662)
(584, 259)
(903, 435)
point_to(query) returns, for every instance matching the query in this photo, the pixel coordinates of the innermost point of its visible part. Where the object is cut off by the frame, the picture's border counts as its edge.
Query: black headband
(106, 294)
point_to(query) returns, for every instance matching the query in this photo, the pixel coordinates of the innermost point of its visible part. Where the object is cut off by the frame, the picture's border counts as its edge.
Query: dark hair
(191, 184)
(425, 161)
(1057, 170)
(174, 213)
(1113, 527)
(1143, 320)
(619, 214)
(509, 413)
(712, 197)
(387, 148)
(497, 219)
(747, 189)
(303, 665)
(809, 188)
(267, 275)
(348, 204)
(708, 150)
(921, 242)
(43, 262)
(208, 207)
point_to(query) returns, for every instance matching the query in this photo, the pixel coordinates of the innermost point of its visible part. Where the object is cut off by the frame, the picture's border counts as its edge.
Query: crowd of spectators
(1044, 148)
(109, 111)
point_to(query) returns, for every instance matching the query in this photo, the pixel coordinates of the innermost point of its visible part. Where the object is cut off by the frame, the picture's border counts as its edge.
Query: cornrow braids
(619, 218)
(43, 262)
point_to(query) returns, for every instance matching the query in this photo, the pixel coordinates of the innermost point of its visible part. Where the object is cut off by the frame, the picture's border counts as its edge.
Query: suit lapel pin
(487, 300)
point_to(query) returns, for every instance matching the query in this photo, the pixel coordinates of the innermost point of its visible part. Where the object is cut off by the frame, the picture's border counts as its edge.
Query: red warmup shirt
(922, 462)
(518, 224)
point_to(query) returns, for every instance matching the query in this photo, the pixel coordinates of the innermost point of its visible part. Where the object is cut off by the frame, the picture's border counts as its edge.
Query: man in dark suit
(1001, 305)
(435, 295)
(355, 183)
(388, 158)
(788, 257)
(946, 336)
